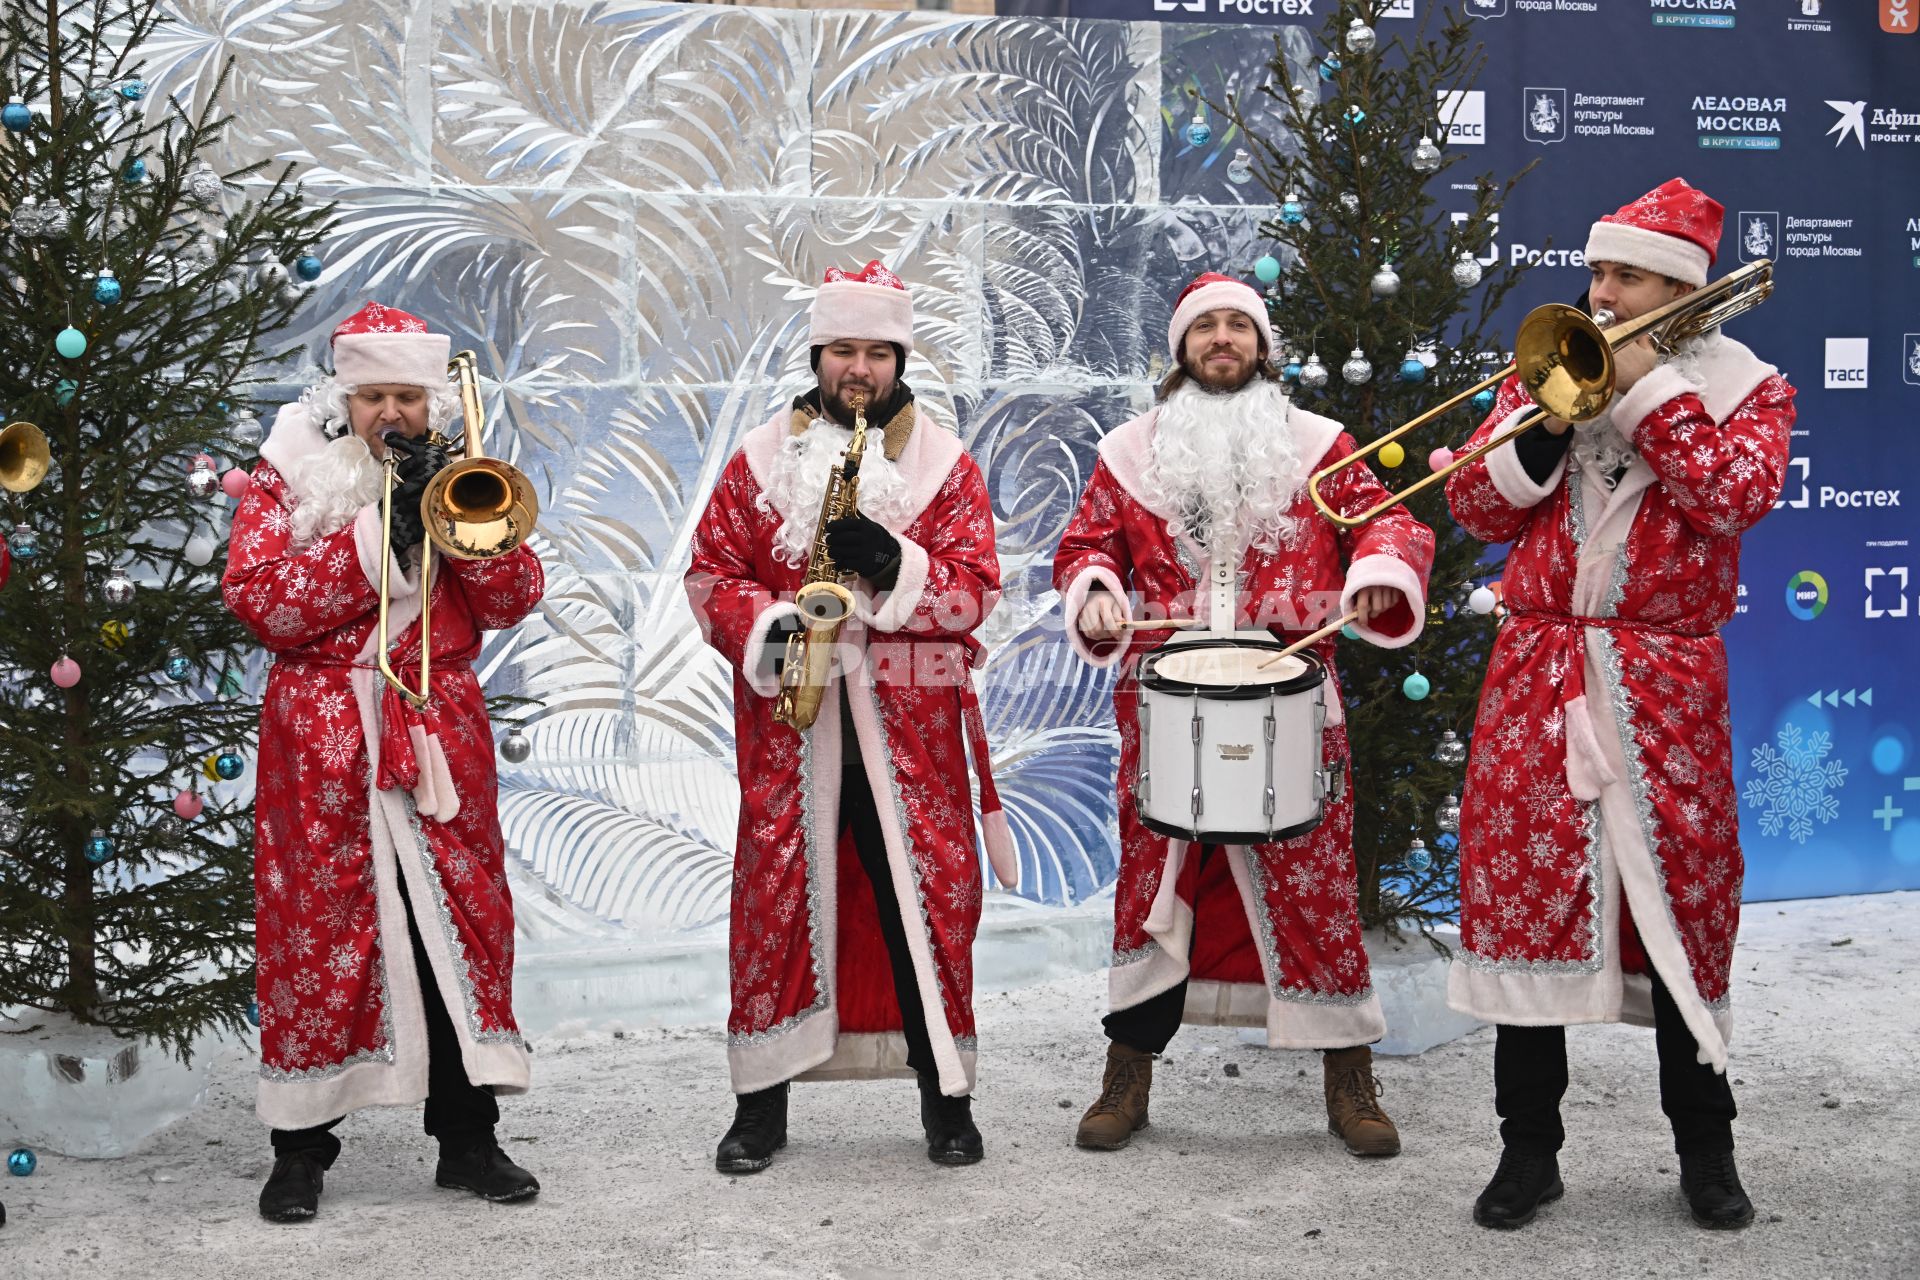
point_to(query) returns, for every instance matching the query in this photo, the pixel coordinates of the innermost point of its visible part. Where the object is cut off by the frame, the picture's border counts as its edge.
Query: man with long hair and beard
(383, 920)
(857, 884)
(1247, 935)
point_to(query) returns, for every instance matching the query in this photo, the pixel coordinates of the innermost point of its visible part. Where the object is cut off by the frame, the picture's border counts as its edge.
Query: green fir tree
(138, 286)
(1353, 170)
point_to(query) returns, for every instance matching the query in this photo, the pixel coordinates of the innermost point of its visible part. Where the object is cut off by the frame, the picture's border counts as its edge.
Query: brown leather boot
(1121, 1109)
(1353, 1103)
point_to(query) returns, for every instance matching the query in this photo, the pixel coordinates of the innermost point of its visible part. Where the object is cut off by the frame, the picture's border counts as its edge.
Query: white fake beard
(329, 486)
(1228, 465)
(799, 484)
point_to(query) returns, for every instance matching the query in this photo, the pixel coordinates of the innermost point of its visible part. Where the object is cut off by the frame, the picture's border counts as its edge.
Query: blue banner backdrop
(1803, 118)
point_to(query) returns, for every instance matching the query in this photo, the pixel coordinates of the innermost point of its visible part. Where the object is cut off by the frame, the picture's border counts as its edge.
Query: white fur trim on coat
(1509, 474)
(1661, 384)
(756, 660)
(892, 610)
(1386, 571)
(1074, 599)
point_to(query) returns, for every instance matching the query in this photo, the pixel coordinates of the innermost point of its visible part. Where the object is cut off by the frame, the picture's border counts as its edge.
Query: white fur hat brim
(412, 359)
(853, 309)
(1632, 246)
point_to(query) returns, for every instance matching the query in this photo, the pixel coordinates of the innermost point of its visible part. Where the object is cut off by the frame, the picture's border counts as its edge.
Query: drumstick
(1317, 636)
(1160, 624)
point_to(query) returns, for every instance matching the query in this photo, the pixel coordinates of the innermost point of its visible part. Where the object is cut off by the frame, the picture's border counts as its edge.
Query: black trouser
(459, 1113)
(1530, 1078)
(858, 815)
(1150, 1025)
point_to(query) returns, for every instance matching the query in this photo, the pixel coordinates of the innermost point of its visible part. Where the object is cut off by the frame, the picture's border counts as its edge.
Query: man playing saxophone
(857, 884)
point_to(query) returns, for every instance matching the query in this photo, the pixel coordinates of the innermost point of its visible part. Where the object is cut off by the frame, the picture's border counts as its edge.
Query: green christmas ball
(71, 343)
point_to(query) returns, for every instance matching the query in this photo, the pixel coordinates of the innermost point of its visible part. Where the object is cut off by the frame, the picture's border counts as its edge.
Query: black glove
(858, 545)
(783, 629)
(415, 462)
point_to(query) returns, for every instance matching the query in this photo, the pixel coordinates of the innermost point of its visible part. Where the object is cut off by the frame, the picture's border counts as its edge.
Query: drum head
(1218, 668)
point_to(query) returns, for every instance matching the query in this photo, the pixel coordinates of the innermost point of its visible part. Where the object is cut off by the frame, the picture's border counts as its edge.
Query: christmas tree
(138, 286)
(1387, 311)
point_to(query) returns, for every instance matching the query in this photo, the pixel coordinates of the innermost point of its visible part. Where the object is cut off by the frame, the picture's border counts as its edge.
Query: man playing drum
(1255, 933)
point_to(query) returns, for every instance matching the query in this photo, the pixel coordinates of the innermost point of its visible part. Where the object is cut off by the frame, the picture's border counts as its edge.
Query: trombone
(1565, 359)
(24, 456)
(474, 509)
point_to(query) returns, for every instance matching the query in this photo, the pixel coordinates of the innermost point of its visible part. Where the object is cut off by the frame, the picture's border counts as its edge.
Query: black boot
(951, 1136)
(292, 1193)
(1521, 1184)
(1712, 1187)
(759, 1129)
(480, 1166)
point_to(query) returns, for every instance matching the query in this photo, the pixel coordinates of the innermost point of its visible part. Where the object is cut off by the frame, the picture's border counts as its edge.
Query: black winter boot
(1521, 1184)
(1712, 1187)
(759, 1129)
(951, 1135)
(292, 1193)
(480, 1166)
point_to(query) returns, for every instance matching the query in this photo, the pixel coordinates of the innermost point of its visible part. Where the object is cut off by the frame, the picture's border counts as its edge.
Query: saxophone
(824, 600)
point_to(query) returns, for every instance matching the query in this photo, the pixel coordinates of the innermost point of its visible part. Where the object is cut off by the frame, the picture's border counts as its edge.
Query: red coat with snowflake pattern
(1599, 825)
(1268, 935)
(355, 792)
(813, 994)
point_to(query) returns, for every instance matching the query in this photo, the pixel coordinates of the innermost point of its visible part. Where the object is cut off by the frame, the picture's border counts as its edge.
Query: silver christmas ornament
(1447, 816)
(1313, 374)
(1358, 369)
(244, 427)
(1385, 282)
(27, 218)
(1466, 270)
(271, 277)
(1451, 750)
(54, 221)
(1426, 156)
(117, 590)
(1360, 37)
(203, 184)
(203, 482)
(515, 748)
(1350, 202)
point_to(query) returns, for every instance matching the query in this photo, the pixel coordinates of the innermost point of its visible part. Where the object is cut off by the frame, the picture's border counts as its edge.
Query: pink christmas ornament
(235, 482)
(1440, 459)
(201, 460)
(187, 805)
(65, 673)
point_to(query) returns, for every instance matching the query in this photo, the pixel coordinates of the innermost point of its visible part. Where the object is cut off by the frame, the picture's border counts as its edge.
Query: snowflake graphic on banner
(1795, 784)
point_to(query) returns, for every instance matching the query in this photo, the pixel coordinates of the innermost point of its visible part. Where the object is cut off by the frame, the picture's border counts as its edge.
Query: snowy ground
(1235, 1178)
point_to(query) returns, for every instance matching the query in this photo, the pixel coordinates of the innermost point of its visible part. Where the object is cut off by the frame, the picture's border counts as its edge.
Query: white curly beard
(329, 486)
(798, 484)
(1228, 465)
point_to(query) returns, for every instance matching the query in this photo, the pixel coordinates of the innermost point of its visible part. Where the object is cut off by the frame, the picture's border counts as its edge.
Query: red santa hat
(1211, 291)
(1674, 229)
(868, 305)
(379, 344)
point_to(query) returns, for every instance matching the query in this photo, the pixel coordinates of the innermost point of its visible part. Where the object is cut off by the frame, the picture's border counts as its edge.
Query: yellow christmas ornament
(207, 768)
(1392, 455)
(113, 633)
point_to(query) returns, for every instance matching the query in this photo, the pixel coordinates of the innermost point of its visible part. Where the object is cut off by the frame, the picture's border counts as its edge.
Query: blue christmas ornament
(308, 267)
(1199, 132)
(134, 90)
(99, 847)
(1266, 268)
(136, 171)
(1293, 213)
(1355, 116)
(70, 342)
(179, 666)
(22, 1162)
(63, 391)
(1349, 632)
(1482, 401)
(229, 765)
(1418, 858)
(106, 290)
(17, 117)
(253, 1012)
(1416, 686)
(1290, 371)
(1411, 370)
(1329, 67)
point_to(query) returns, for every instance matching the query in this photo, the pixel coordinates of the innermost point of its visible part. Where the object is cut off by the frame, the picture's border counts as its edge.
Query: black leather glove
(858, 545)
(783, 629)
(415, 462)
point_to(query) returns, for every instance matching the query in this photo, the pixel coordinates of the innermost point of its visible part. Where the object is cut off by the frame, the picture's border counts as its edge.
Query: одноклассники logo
(1759, 235)
(1846, 364)
(1544, 115)
(1806, 595)
(1899, 17)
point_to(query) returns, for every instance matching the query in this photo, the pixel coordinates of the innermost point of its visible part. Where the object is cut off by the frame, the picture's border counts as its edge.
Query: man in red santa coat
(857, 884)
(1264, 935)
(383, 920)
(1600, 865)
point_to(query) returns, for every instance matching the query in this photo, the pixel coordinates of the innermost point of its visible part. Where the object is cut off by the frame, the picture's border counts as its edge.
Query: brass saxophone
(823, 599)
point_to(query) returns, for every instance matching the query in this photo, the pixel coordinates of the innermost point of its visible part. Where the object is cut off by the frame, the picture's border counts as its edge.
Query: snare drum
(1231, 753)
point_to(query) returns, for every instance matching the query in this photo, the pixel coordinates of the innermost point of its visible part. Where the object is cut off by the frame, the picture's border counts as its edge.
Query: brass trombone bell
(1565, 359)
(24, 456)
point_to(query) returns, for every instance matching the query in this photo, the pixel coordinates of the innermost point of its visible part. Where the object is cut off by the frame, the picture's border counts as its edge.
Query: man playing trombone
(1266, 934)
(1600, 867)
(857, 884)
(384, 924)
